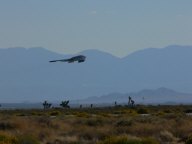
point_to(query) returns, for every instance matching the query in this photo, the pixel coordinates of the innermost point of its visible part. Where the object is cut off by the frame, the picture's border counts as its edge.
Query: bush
(6, 126)
(124, 123)
(37, 114)
(26, 139)
(188, 111)
(120, 140)
(160, 113)
(82, 114)
(55, 113)
(94, 122)
(142, 111)
(189, 140)
(167, 111)
(127, 140)
(149, 141)
(6, 139)
(44, 121)
(167, 136)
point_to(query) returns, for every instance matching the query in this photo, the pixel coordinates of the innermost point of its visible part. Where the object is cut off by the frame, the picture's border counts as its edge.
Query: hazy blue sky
(115, 26)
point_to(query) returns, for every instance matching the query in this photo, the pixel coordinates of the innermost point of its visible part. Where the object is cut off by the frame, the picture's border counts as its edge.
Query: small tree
(129, 102)
(115, 103)
(64, 104)
(132, 103)
(46, 105)
(189, 140)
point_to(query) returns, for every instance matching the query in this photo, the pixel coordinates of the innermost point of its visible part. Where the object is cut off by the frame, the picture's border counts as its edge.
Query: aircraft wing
(62, 60)
(79, 58)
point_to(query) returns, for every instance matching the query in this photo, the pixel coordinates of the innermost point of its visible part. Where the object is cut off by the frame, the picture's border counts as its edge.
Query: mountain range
(27, 75)
(147, 96)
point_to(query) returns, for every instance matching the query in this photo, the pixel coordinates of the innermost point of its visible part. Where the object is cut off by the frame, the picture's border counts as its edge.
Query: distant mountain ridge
(147, 96)
(27, 75)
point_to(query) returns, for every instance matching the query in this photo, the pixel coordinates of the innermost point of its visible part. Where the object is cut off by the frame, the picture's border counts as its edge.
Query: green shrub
(82, 114)
(26, 139)
(45, 121)
(149, 141)
(37, 113)
(167, 111)
(55, 113)
(5, 139)
(127, 122)
(160, 113)
(189, 140)
(188, 111)
(6, 126)
(142, 111)
(127, 140)
(94, 122)
(120, 140)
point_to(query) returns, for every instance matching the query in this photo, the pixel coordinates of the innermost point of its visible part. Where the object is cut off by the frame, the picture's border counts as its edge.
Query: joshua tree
(132, 103)
(91, 105)
(64, 104)
(115, 103)
(46, 105)
(81, 106)
(129, 102)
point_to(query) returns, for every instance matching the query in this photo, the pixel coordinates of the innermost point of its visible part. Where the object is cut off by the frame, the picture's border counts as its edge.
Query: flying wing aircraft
(79, 58)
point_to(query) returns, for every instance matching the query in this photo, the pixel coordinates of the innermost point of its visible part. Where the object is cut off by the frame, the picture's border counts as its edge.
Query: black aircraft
(79, 58)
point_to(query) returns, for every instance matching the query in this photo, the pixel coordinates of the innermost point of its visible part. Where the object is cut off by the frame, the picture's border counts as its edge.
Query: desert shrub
(21, 114)
(188, 111)
(34, 113)
(44, 121)
(149, 141)
(144, 119)
(160, 113)
(189, 140)
(55, 113)
(26, 139)
(119, 112)
(2, 137)
(92, 134)
(127, 122)
(170, 116)
(6, 126)
(167, 136)
(82, 114)
(132, 112)
(104, 115)
(167, 111)
(94, 122)
(120, 140)
(6, 139)
(127, 140)
(87, 135)
(142, 111)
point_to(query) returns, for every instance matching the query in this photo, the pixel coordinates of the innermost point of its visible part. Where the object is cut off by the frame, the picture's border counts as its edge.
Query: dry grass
(164, 124)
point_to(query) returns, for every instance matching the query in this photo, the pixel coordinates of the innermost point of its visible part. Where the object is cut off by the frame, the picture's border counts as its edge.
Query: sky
(119, 27)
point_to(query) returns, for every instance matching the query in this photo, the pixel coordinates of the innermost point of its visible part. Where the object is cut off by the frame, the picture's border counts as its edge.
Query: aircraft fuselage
(79, 58)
